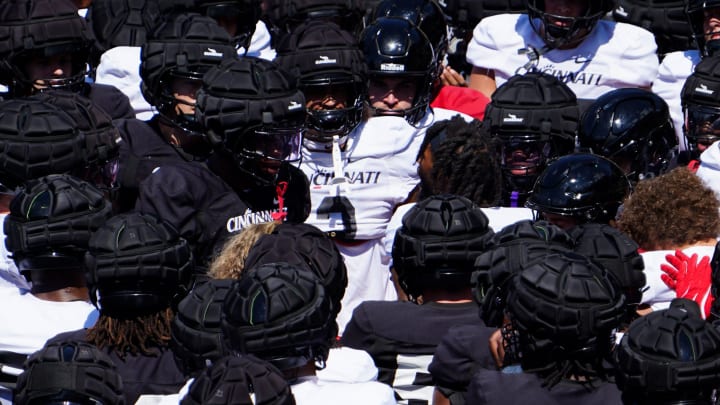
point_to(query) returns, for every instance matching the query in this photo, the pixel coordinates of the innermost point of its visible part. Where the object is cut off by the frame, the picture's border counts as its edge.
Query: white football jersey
(674, 69)
(614, 55)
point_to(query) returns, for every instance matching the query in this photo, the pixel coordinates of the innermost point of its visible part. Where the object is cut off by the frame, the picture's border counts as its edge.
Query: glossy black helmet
(574, 28)
(583, 186)
(633, 128)
(427, 15)
(395, 47)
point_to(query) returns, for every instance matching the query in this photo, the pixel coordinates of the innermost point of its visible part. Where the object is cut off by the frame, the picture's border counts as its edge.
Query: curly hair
(465, 161)
(670, 211)
(140, 335)
(230, 262)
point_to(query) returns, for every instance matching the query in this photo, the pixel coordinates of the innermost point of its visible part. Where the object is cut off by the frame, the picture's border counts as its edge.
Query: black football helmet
(571, 29)
(696, 16)
(701, 106)
(42, 30)
(282, 16)
(536, 118)
(396, 47)
(633, 128)
(583, 186)
(328, 62)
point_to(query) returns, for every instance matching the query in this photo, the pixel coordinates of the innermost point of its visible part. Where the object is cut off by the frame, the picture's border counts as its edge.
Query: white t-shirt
(313, 391)
(614, 55)
(672, 73)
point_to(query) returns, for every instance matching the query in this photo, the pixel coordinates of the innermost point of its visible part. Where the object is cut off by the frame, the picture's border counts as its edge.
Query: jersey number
(339, 208)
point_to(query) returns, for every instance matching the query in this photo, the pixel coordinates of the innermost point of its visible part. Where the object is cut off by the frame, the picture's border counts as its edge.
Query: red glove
(689, 278)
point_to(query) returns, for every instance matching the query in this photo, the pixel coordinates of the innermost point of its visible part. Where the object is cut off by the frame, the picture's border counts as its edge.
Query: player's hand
(689, 277)
(450, 77)
(497, 349)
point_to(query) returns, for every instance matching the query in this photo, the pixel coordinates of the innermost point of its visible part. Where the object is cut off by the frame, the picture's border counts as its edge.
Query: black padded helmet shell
(587, 187)
(510, 250)
(322, 54)
(438, 243)
(55, 213)
(565, 308)
(76, 372)
(669, 356)
(123, 22)
(137, 264)
(284, 15)
(196, 334)
(280, 313)
(240, 380)
(46, 28)
(666, 19)
(631, 125)
(700, 100)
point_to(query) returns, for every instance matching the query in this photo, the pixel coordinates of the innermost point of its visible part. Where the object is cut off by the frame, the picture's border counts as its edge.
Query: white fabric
(120, 67)
(9, 274)
(656, 293)
(674, 69)
(32, 321)
(709, 170)
(313, 391)
(614, 55)
(380, 170)
(259, 44)
(172, 399)
(348, 366)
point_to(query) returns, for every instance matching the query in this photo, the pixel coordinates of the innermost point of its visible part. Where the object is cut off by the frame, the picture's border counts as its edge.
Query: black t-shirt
(497, 387)
(386, 329)
(111, 100)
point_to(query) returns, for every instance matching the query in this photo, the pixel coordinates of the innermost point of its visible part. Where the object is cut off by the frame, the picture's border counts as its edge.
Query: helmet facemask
(524, 158)
(558, 31)
(72, 57)
(238, 21)
(702, 128)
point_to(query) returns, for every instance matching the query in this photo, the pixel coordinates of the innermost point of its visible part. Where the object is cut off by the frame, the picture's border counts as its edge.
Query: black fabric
(141, 375)
(232, 379)
(385, 329)
(122, 23)
(198, 204)
(461, 352)
(495, 387)
(69, 370)
(111, 100)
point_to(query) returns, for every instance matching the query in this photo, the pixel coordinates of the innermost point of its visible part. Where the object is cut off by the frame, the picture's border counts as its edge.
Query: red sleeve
(461, 99)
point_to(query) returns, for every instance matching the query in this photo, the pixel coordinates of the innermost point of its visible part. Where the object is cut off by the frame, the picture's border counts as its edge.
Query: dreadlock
(465, 161)
(138, 335)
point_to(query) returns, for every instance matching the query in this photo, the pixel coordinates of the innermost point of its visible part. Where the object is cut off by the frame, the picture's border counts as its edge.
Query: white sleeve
(638, 63)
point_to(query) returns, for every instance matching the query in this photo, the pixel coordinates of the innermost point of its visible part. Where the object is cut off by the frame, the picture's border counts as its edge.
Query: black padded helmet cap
(666, 19)
(511, 249)
(69, 371)
(320, 48)
(137, 264)
(669, 354)
(233, 379)
(102, 138)
(438, 242)
(196, 334)
(534, 104)
(303, 245)
(284, 14)
(52, 212)
(564, 307)
(582, 185)
(702, 87)
(185, 45)
(123, 22)
(279, 313)
(37, 138)
(247, 92)
(617, 253)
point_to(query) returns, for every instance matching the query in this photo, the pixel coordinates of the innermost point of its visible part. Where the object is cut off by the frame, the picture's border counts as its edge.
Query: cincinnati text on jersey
(236, 224)
(588, 79)
(323, 178)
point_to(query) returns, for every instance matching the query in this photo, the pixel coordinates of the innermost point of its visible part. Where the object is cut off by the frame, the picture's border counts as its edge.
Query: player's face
(712, 23)
(565, 8)
(523, 158)
(41, 70)
(425, 164)
(183, 90)
(562, 221)
(390, 93)
(331, 97)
